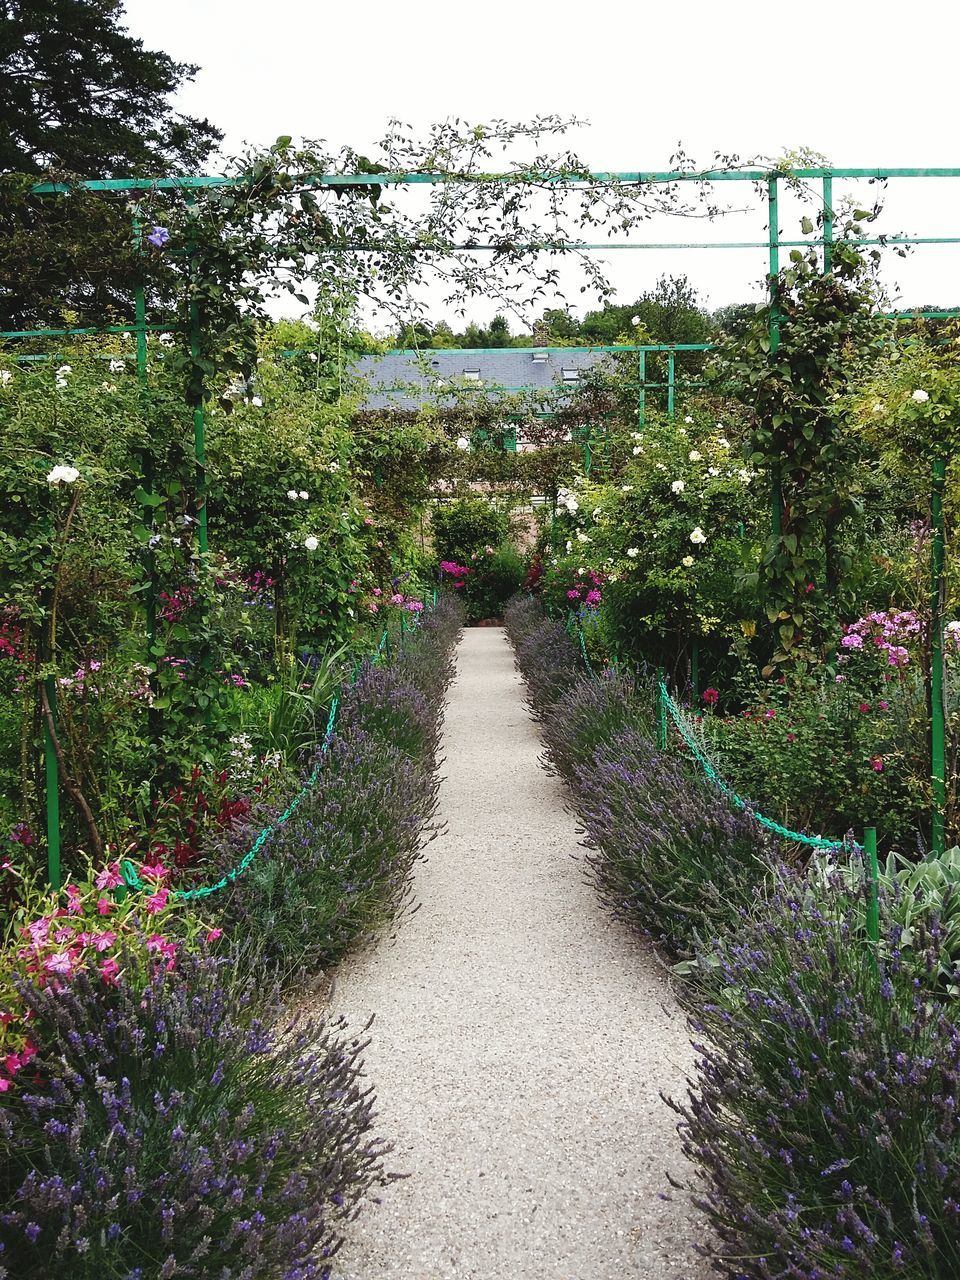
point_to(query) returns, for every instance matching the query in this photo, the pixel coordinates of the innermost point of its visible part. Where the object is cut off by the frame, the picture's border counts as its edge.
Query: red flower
(876, 764)
(711, 696)
(864, 707)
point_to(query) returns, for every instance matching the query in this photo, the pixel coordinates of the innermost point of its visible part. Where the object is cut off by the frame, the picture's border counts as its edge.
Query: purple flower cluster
(670, 855)
(590, 714)
(545, 653)
(177, 1131)
(823, 1117)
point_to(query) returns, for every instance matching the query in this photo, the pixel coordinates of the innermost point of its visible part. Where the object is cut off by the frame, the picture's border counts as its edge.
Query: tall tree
(79, 94)
(81, 97)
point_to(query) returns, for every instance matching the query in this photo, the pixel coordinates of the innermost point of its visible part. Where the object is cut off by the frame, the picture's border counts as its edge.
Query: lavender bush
(670, 855)
(173, 1132)
(341, 865)
(823, 1115)
(546, 655)
(590, 714)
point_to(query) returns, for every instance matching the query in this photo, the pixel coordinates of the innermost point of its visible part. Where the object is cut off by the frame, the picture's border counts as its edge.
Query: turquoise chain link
(798, 837)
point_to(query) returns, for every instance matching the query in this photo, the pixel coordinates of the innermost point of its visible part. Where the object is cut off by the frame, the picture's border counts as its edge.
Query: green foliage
(791, 366)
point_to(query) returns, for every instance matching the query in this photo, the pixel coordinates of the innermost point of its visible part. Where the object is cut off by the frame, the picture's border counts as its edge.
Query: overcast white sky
(868, 86)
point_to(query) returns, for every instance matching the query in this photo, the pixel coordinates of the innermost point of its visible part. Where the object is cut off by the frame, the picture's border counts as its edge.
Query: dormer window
(570, 375)
(471, 375)
(541, 357)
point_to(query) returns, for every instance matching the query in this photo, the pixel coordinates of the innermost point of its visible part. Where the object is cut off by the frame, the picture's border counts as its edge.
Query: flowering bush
(86, 929)
(670, 855)
(546, 655)
(178, 1132)
(823, 1112)
(828, 754)
(590, 714)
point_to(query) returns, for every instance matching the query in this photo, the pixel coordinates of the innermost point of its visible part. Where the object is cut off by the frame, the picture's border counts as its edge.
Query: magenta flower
(104, 941)
(59, 962)
(109, 877)
(711, 696)
(156, 901)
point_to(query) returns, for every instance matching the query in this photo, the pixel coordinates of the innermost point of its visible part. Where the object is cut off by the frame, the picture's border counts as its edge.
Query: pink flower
(103, 941)
(711, 696)
(39, 931)
(864, 707)
(374, 608)
(154, 871)
(74, 900)
(377, 591)
(59, 962)
(594, 597)
(214, 934)
(396, 598)
(63, 935)
(769, 714)
(157, 901)
(876, 764)
(883, 706)
(109, 970)
(573, 595)
(5, 1084)
(104, 906)
(109, 877)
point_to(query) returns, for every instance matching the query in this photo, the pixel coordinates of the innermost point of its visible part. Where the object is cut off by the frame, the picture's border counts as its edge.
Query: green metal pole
(827, 225)
(146, 455)
(671, 376)
(773, 277)
(642, 397)
(873, 879)
(937, 705)
(52, 777)
(199, 438)
(587, 454)
(661, 713)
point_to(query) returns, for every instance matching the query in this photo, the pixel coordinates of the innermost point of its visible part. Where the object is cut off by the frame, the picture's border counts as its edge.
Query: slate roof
(507, 369)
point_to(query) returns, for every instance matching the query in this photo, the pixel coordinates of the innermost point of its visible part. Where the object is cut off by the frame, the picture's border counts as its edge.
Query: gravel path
(521, 1038)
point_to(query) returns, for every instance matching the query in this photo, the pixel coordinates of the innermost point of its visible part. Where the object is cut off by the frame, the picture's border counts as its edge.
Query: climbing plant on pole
(830, 326)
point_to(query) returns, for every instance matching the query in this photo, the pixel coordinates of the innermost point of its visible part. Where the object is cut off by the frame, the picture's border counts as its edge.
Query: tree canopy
(79, 94)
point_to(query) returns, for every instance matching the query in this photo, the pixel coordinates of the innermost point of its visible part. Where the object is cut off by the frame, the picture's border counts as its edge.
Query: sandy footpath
(521, 1038)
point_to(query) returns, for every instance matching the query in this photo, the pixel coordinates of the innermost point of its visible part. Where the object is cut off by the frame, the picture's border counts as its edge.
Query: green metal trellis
(190, 186)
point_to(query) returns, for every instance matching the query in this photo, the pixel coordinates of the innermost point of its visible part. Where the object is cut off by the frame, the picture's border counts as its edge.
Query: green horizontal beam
(557, 245)
(654, 176)
(112, 328)
(495, 351)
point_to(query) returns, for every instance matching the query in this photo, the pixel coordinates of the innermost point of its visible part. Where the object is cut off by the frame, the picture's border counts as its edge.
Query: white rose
(62, 474)
(637, 448)
(569, 545)
(256, 402)
(333, 466)
(695, 455)
(698, 537)
(463, 443)
(626, 488)
(713, 471)
(920, 396)
(292, 495)
(635, 320)
(877, 406)
(311, 543)
(582, 537)
(303, 494)
(687, 562)
(633, 552)
(744, 475)
(688, 418)
(5, 376)
(723, 443)
(678, 486)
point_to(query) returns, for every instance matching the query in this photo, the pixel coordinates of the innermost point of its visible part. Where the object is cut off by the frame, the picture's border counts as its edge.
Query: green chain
(798, 837)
